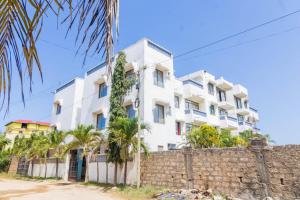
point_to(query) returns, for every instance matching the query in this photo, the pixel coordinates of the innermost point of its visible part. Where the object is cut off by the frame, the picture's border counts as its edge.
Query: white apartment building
(171, 106)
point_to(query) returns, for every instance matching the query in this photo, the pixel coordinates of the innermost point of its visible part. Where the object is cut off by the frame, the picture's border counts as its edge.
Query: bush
(205, 136)
(4, 161)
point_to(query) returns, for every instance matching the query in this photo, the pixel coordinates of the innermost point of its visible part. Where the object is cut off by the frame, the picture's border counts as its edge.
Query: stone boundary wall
(259, 170)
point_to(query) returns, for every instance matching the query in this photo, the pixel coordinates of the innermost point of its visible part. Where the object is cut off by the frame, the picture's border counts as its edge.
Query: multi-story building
(24, 128)
(171, 106)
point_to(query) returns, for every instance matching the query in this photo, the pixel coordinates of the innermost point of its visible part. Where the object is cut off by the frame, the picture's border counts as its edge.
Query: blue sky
(266, 61)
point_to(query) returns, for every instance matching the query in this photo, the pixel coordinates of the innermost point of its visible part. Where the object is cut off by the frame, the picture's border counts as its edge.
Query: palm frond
(95, 26)
(18, 34)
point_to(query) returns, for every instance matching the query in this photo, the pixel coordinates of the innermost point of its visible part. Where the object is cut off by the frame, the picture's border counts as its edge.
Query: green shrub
(4, 161)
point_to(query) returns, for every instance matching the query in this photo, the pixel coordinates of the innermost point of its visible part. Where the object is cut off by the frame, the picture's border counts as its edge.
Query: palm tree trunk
(45, 163)
(86, 180)
(125, 172)
(97, 170)
(56, 169)
(32, 165)
(116, 173)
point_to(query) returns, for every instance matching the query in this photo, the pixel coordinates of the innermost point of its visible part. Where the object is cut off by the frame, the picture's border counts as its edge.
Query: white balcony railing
(229, 122)
(193, 90)
(195, 116)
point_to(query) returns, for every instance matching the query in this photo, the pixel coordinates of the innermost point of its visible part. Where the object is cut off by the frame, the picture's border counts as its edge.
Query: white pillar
(67, 167)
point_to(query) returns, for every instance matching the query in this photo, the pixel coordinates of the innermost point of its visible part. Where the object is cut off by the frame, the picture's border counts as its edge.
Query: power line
(237, 34)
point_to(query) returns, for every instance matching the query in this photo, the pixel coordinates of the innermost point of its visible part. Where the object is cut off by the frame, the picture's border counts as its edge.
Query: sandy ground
(30, 190)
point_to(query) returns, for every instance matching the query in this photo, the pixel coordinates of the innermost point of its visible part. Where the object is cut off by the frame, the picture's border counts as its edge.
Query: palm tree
(56, 139)
(3, 141)
(96, 148)
(125, 135)
(41, 145)
(87, 138)
(21, 23)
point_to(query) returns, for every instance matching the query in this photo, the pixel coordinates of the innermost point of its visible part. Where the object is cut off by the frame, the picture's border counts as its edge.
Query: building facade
(171, 106)
(24, 128)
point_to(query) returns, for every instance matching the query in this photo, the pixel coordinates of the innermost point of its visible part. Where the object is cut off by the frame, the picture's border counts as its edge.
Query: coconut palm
(96, 148)
(56, 139)
(21, 22)
(87, 138)
(3, 141)
(125, 135)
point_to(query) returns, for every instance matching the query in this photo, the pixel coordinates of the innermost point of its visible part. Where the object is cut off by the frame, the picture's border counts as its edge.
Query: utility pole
(138, 157)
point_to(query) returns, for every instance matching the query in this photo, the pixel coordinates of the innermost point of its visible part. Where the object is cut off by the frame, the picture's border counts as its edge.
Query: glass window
(188, 127)
(212, 110)
(191, 105)
(211, 89)
(130, 74)
(100, 122)
(130, 111)
(178, 128)
(24, 125)
(246, 104)
(177, 101)
(171, 146)
(240, 118)
(160, 147)
(221, 95)
(102, 90)
(238, 102)
(159, 114)
(222, 112)
(58, 109)
(159, 78)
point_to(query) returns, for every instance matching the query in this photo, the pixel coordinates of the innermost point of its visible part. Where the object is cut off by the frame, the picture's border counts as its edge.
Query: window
(100, 122)
(102, 90)
(130, 74)
(212, 110)
(58, 109)
(240, 118)
(221, 95)
(23, 125)
(246, 104)
(159, 78)
(238, 103)
(160, 147)
(171, 146)
(222, 112)
(178, 128)
(130, 111)
(188, 127)
(211, 89)
(191, 105)
(159, 114)
(176, 101)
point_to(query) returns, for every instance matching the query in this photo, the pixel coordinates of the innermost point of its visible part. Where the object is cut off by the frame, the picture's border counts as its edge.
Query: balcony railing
(196, 112)
(228, 118)
(198, 84)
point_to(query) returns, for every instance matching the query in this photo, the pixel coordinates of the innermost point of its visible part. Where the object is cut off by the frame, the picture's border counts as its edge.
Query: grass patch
(129, 192)
(26, 178)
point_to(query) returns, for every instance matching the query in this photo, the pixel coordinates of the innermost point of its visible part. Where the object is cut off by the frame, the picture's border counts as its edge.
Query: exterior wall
(81, 104)
(258, 171)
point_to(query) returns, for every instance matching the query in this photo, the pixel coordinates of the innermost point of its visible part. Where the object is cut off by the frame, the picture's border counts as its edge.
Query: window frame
(176, 101)
(58, 109)
(159, 111)
(100, 116)
(238, 102)
(211, 89)
(102, 90)
(178, 128)
(158, 74)
(212, 109)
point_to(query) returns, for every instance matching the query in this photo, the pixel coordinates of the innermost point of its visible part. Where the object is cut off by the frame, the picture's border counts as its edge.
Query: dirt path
(28, 190)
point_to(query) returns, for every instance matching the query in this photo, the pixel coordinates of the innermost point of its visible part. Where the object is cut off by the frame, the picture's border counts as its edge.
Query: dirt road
(31, 190)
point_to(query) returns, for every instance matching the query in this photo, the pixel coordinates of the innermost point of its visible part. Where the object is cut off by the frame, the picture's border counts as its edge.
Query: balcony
(229, 122)
(240, 91)
(223, 84)
(195, 116)
(243, 111)
(193, 90)
(244, 125)
(225, 105)
(254, 113)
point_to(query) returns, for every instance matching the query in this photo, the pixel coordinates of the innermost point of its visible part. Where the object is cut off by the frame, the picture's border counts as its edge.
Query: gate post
(188, 163)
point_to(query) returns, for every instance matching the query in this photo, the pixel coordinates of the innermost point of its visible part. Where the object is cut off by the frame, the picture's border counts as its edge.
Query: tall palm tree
(87, 138)
(21, 22)
(56, 139)
(125, 135)
(96, 148)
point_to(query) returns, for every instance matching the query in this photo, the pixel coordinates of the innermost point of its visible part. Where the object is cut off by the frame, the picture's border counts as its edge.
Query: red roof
(31, 122)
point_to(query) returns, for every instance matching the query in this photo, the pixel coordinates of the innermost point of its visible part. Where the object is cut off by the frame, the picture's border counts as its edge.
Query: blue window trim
(193, 82)
(65, 86)
(100, 124)
(130, 112)
(102, 90)
(158, 48)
